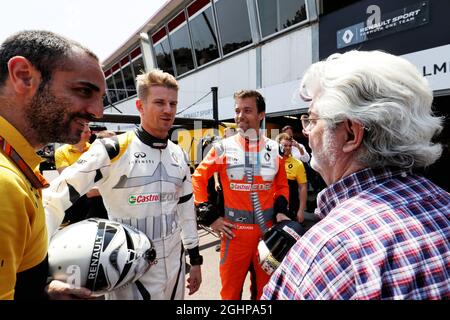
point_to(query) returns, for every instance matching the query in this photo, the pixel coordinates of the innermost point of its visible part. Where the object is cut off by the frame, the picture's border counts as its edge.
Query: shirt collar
(72, 148)
(351, 185)
(19, 143)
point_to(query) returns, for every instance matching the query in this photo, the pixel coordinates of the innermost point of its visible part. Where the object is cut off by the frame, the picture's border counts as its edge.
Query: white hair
(387, 95)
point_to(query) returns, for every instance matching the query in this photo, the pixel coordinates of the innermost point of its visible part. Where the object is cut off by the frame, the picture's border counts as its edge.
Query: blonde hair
(154, 77)
(283, 136)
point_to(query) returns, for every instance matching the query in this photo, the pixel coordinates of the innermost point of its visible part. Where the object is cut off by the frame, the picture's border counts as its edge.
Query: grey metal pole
(215, 106)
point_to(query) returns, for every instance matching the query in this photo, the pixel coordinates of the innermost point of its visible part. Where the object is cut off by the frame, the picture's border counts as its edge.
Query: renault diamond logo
(348, 36)
(139, 155)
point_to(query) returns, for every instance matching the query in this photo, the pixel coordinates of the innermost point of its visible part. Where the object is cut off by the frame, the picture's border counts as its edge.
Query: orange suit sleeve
(202, 173)
(281, 184)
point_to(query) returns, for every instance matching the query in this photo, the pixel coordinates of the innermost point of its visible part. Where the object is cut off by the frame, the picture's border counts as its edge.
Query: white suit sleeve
(186, 212)
(76, 180)
(297, 155)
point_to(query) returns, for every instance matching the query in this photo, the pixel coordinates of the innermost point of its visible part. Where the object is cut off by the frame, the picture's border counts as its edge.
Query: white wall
(126, 107)
(284, 60)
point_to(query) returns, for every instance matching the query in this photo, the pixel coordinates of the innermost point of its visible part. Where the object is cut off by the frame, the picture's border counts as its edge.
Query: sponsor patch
(244, 227)
(291, 232)
(250, 187)
(138, 199)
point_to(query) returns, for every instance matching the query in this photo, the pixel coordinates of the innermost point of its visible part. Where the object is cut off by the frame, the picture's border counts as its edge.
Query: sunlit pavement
(210, 288)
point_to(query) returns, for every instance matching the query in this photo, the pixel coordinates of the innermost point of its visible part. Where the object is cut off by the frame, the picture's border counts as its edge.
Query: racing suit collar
(249, 139)
(150, 140)
(249, 144)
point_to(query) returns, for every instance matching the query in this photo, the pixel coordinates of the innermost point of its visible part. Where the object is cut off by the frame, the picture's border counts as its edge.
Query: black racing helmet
(276, 243)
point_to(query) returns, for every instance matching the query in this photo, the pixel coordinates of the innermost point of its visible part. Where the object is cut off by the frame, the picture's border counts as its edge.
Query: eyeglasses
(307, 121)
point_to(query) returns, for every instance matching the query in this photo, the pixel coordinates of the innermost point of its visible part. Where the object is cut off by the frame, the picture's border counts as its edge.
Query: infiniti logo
(139, 155)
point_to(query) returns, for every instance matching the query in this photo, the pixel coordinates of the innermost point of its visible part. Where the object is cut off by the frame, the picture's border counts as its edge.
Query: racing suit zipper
(161, 210)
(249, 173)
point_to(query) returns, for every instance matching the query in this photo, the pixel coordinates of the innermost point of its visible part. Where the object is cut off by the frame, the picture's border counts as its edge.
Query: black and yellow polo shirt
(23, 233)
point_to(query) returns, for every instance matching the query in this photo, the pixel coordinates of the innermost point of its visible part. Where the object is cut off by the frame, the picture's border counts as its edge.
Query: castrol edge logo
(138, 199)
(249, 186)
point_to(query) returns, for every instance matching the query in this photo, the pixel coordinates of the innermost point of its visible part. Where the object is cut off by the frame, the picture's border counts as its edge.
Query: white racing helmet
(100, 255)
(276, 243)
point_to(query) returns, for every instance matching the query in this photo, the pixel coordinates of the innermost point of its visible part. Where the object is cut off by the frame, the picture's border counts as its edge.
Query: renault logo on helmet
(140, 155)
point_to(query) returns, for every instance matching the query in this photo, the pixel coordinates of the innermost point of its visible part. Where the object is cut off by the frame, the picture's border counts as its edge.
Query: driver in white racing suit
(145, 182)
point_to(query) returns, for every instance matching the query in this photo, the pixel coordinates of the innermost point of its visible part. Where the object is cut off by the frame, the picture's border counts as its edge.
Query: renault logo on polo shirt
(140, 155)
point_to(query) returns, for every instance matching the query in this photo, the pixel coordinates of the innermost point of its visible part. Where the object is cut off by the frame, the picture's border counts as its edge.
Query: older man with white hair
(384, 230)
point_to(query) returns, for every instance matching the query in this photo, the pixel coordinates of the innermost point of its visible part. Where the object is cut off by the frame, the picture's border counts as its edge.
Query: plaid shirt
(384, 234)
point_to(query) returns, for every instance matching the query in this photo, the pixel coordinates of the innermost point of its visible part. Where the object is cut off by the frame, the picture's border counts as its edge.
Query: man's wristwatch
(196, 261)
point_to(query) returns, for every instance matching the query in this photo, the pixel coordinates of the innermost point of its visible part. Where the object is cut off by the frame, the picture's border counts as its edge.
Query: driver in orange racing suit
(255, 191)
